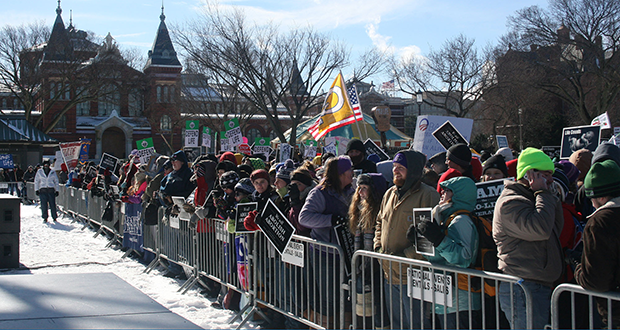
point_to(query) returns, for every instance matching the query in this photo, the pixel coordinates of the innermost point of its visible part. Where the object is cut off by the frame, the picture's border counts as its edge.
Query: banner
(191, 133)
(233, 132)
(336, 110)
(425, 142)
(132, 227)
(206, 137)
(601, 120)
(6, 161)
(577, 138)
(146, 149)
(84, 150)
(71, 153)
(487, 194)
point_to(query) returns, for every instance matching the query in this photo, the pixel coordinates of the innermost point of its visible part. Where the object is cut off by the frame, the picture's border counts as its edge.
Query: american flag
(388, 85)
(355, 103)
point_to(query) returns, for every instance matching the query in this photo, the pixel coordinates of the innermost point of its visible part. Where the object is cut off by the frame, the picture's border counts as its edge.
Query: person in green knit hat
(527, 223)
(598, 270)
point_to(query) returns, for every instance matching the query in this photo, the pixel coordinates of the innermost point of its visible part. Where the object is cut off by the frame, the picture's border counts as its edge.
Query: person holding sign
(327, 206)
(494, 168)
(264, 191)
(527, 223)
(393, 221)
(455, 238)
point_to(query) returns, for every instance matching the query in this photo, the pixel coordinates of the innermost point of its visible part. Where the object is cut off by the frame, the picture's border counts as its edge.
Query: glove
(249, 223)
(56, 193)
(125, 199)
(432, 231)
(411, 234)
(294, 194)
(199, 171)
(189, 208)
(338, 220)
(37, 192)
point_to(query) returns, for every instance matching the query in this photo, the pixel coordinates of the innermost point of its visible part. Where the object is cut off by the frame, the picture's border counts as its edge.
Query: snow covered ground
(63, 247)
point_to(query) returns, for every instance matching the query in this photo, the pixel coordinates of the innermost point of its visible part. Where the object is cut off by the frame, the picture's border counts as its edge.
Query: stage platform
(80, 301)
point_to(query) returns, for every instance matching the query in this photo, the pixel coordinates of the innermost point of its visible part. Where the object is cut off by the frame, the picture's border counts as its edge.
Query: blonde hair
(363, 216)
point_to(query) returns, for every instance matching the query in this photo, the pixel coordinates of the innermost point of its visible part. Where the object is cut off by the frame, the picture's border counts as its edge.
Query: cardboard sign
(261, 146)
(6, 161)
(206, 137)
(502, 141)
(179, 201)
(447, 135)
(108, 162)
(580, 137)
(426, 143)
(294, 254)
(422, 244)
(488, 193)
(285, 151)
(345, 240)
(275, 226)
(233, 132)
(552, 151)
(146, 149)
(438, 291)
(373, 148)
(192, 153)
(243, 209)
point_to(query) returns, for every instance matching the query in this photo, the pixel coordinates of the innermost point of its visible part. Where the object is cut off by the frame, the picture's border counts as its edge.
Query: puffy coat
(526, 229)
(317, 212)
(42, 180)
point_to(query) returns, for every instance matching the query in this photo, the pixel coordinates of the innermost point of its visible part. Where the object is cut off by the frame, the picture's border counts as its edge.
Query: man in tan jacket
(393, 221)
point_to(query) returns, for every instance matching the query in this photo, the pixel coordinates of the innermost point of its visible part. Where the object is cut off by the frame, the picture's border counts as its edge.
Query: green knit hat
(533, 159)
(603, 179)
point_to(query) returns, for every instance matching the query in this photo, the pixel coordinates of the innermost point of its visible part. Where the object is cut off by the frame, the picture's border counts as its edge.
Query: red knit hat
(259, 174)
(229, 156)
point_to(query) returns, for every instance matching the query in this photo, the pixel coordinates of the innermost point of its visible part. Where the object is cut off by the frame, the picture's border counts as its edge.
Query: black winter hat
(460, 154)
(497, 162)
(229, 179)
(226, 165)
(356, 144)
(606, 151)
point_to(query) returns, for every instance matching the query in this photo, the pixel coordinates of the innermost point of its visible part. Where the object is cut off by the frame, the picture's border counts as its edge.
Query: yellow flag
(336, 111)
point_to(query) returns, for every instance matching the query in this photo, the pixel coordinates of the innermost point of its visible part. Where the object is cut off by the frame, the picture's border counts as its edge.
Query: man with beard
(394, 219)
(357, 152)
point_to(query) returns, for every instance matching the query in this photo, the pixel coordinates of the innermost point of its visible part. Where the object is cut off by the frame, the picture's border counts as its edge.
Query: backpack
(486, 258)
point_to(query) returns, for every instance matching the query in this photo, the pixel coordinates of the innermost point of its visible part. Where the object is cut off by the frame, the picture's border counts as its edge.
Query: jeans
(48, 198)
(541, 303)
(404, 309)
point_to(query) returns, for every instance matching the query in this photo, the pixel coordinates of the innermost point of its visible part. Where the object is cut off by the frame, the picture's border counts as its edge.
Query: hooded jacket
(178, 183)
(396, 216)
(526, 229)
(364, 164)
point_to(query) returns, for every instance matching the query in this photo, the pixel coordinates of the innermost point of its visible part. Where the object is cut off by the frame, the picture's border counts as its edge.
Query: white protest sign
(233, 132)
(310, 149)
(146, 149)
(261, 146)
(426, 143)
(294, 254)
(191, 133)
(285, 151)
(441, 286)
(206, 137)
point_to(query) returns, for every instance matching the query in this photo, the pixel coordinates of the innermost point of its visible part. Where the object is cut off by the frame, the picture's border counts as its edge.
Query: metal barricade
(95, 209)
(177, 241)
(11, 188)
(306, 284)
(81, 209)
(72, 199)
(573, 307)
(61, 200)
(398, 293)
(31, 195)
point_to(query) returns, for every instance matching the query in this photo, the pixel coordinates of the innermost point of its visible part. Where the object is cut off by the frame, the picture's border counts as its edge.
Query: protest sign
(108, 162)
(345, 240)
(502, 141)
(330, 148)
(58, 161)
(146, 149)
(422, 244)
(601, 120)
(233, 132)
(244, 148)
(275, 226)
(6, 161)
(447, 135)
(488, 193)
(577, 138)
(192, 153)
(373, 148)
(191, 133)
(243, 209)
(178, 202)
(310, 148)
(132, 227)
(425, 142)
(206, 137)
(84, 150)
(439, 290)
(294, 254)
(285, 151)
(552, 151)
(261, 146)
(71, 153)
(342, 145)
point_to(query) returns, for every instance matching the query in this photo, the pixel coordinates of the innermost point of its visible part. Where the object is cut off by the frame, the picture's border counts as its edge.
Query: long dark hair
(331, 179)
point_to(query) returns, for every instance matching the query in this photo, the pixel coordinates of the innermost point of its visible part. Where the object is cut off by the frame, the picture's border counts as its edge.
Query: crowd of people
(556, 221)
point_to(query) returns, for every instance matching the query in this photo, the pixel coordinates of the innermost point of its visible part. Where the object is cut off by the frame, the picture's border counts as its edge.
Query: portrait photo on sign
(422, 244)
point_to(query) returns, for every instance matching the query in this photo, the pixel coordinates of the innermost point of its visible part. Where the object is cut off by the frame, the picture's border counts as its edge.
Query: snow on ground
(63, 247)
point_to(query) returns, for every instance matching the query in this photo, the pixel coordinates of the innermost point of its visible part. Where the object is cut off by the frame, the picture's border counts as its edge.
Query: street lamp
(419, 100)
(520, 130)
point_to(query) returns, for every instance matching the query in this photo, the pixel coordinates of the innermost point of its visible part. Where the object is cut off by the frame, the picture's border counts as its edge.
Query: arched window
(171, 100)
(109, 100)
(158, 94)
(135, 103)
(252, 134)
(165, 123)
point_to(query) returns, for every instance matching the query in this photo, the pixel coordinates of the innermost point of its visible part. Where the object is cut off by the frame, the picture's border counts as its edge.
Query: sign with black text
(345, 240)
(373, 148)
(447, 135)
(502, 141)
(108, 162)
(275, 226)
(422, 244)
(243, 209)
(552, 151)
(487, 194)
(577, 138)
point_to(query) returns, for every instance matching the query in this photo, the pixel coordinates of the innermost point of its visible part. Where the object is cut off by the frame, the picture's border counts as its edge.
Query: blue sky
(405, 26)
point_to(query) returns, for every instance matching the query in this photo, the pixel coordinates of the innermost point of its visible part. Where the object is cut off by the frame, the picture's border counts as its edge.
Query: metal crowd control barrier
(389, 291)
(306, 284)
(176, 240)
(31, 195)
(573, 307)
(11, 188)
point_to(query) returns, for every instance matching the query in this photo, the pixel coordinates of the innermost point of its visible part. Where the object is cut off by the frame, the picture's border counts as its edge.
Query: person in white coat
(46, 187)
